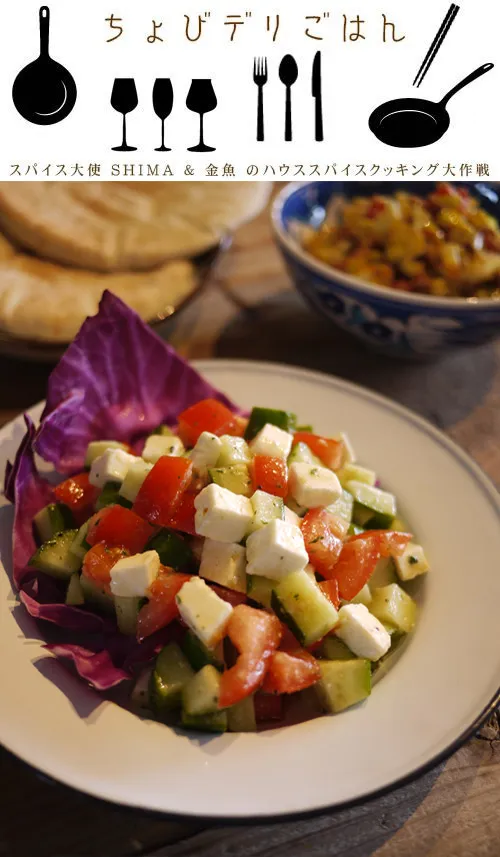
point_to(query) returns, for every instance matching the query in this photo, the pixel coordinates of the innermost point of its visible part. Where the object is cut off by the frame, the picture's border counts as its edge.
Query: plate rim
(488, 488)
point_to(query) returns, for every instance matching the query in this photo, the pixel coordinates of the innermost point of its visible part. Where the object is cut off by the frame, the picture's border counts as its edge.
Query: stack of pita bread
(64, 243)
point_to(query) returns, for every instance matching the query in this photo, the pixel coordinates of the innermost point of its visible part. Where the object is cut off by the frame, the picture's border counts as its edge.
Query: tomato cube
(183, 516)
(328, 450)
(289, 672)
(207, 415)
(323, 537)
(255, 634)
(99, 561)
(270, 474)
(116, 526)
(330, 588)
(160, 494)
(77, 493)
(161, 608)
(356, 564)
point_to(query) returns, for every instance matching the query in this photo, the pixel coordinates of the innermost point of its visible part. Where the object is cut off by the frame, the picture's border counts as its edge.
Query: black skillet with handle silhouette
(409, 123)
(44, 92)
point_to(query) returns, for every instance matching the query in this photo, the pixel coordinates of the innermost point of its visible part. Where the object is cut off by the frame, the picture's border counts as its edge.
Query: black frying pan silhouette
(44, 92)
(408, 123)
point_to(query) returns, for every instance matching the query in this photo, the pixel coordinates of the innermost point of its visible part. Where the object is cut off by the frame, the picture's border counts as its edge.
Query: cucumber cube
(200, 695)
(302, 454)
(134, 478)
(385, 573)
(140, 692)
(127, 610)
(96, 597)
(235, 478)
(216, 722)
(200, 655)
(52, 519)
(172, 549)
(110, 496)
(260, 589)
(334, 649)
(399, 526)
(79, 546)
(265, 507)
(234, 450)
(364, 596)
(55, 557)
(300, 603)
(171, 672)
(393, 606)
(343, 683)
(74, 592)
(259, 417)
(374, 508)
(241, 717)
(354, 472)
(354, 530)
(343, 507)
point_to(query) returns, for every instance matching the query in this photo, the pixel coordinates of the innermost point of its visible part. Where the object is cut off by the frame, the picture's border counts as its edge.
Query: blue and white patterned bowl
(401, 324)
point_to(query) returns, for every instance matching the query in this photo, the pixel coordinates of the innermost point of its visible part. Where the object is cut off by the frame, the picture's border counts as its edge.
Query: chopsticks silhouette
(436, 44)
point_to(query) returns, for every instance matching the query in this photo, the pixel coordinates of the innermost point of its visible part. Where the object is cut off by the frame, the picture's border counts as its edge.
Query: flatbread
(125, 226)
(44, 302)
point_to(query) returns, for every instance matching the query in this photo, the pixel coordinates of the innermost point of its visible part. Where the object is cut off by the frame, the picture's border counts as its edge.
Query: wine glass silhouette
(163, 100)
(201, 99)
(124, 100)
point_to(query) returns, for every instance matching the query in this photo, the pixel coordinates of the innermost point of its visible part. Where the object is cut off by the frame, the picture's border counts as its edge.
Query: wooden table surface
(251, 311)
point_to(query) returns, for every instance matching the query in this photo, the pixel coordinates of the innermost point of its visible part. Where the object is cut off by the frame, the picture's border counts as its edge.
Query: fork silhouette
(260, 79)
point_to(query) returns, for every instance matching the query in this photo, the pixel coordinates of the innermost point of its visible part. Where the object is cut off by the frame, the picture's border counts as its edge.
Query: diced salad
(275, 556)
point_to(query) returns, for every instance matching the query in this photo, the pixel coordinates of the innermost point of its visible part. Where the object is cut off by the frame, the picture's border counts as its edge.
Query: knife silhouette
(317, 95)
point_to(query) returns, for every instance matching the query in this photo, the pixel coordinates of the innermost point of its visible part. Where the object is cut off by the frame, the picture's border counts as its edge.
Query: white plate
(446, 679)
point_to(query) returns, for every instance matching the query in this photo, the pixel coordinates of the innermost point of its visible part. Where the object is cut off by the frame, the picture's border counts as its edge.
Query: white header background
(357, 77)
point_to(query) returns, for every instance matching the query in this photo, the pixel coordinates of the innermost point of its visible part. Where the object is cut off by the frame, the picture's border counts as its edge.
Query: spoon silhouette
(44, 92)
(288, 73)
(408, 123)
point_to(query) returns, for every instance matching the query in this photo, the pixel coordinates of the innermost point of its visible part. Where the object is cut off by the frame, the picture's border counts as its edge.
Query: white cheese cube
(136, 475)
(203, 611)
(362, 632)
(205, 453)
(158, 445)
(224, 564)
(272, 441)
(313, 486)
(111, 466)
(222, 515)
(412, 562)
(291, 517)
(276, 550)
(234, 450)
(132, 576)
(265, 507)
